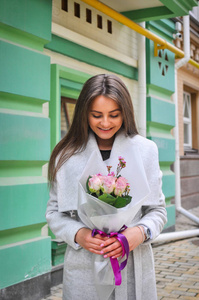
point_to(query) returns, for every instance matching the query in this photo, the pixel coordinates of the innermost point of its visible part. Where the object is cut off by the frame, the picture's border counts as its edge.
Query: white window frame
(187, 120)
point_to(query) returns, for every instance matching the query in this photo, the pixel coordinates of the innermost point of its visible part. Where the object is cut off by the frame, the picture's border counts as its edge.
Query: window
(99, 21)
(187, 120)
(64, 5)
(109, 26)
(77, 10)
(67, 111)
(88, 16)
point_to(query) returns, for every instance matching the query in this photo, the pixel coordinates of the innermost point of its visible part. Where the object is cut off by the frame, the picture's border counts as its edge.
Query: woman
(104, 122)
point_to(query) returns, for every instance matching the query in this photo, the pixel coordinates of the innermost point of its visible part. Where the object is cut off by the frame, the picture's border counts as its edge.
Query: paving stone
(181, 289)
(194, 291)
(170, 298)
(186, 294)
(176, 266)
(186, 298)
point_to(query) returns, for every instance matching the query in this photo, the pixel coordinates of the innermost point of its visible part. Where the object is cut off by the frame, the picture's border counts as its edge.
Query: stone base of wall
(189, 181)
(189, 172)
(35, 288)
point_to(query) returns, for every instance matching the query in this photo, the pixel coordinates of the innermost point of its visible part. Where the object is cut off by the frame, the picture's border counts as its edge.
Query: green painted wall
(64, 82)
(169, 9)
(32, 18)
(91, 57)
(21, 203)
(25, 26)
(160, 108)
(32, 132)
(24, 72)
(24, 260)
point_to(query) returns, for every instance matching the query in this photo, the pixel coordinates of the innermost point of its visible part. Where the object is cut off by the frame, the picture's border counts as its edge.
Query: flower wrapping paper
(96, 214)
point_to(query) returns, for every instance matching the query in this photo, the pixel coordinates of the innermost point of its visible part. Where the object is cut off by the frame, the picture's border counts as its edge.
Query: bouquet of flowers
(112, 188)
(100, 208)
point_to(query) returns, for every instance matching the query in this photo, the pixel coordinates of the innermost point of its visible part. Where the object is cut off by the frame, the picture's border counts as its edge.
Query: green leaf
(107, 198)
(122, 201)
(128, 199)
(87, 186)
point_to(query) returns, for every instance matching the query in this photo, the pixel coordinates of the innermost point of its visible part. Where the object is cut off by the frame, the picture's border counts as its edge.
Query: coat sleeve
(154, 216)
(62, 225)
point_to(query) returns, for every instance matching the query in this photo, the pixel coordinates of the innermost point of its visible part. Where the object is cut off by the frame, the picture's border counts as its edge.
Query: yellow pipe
(129, 23)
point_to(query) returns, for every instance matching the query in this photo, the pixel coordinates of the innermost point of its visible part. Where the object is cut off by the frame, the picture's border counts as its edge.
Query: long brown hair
(76, 139)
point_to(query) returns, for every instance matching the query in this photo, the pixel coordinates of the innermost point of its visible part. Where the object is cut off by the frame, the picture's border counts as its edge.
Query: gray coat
(138, 278)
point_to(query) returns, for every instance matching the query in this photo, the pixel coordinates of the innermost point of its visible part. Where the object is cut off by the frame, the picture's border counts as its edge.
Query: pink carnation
(108, 184)
(95, 183)
(120, 186)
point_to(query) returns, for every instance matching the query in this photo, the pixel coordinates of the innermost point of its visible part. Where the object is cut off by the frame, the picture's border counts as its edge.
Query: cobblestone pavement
(176, 265)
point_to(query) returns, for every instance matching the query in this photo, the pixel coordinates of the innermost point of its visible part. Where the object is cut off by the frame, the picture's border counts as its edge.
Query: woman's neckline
(105, 154)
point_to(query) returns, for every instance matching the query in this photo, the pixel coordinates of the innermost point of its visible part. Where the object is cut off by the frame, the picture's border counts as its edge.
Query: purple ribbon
(125, 250)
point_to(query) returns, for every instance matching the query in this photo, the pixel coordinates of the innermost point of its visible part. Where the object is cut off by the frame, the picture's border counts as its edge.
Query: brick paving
(176, 266)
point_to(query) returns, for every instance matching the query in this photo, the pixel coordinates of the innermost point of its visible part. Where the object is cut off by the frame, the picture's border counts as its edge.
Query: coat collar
(69, 174)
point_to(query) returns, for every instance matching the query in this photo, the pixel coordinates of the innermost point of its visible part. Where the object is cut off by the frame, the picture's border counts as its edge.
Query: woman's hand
(93, 244)
(112, 247)
(134, 237)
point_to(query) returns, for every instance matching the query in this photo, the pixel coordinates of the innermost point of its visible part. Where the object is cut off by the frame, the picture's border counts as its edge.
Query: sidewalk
(176, 265)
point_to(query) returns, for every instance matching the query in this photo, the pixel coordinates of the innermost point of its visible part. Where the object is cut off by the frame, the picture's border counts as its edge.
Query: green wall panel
(164, 28)
(16, 170)
(147, 14)
(180, 8)
(168, 184)
(30, 16)
(25, 26)
(161, 112)
(91, 57)
(171, 9)
(58, 252)
(22, 205)
(166, 148)
(24, 72)
(17, 36)
(160, 109)
(160, 70)
(18, 102)
(171, 216)
(24, 260)
(24, 137)
(19, 234)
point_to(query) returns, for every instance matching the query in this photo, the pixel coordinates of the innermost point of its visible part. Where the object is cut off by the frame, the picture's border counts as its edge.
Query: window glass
(187, 120)
(186, 134)
(67, 111)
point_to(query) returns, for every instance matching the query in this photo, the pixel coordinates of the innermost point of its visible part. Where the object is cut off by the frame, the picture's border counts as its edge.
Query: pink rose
(108, 184)
(120, 186)
(95, 183)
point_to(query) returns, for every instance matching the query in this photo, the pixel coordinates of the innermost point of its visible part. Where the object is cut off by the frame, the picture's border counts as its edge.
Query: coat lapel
(69, 174)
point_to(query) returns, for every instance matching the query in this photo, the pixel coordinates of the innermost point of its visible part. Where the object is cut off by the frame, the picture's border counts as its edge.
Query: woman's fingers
(108, 247)
(93, 244)
(112, 248)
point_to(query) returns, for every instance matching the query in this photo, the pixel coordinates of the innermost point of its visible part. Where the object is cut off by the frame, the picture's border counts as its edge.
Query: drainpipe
(178, 65)
(165, 237)
(177, 235)
(142, 83)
